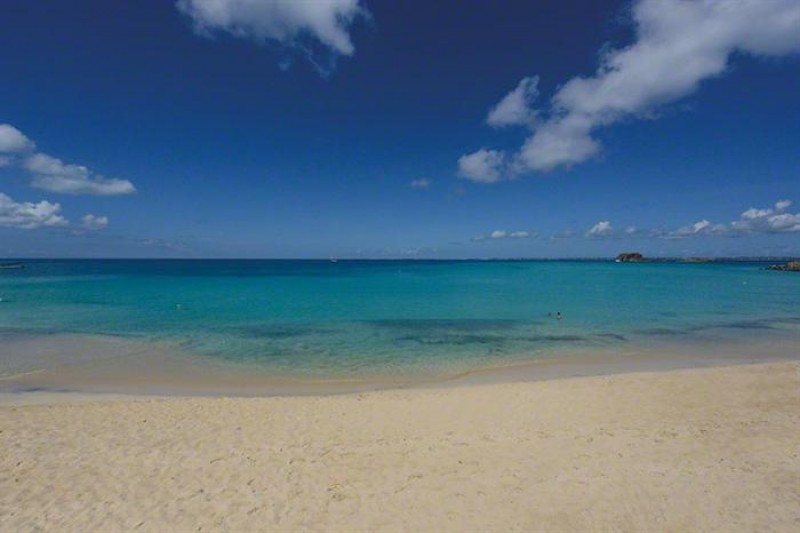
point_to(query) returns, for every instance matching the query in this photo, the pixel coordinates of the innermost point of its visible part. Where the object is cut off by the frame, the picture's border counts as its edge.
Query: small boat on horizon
(10, 266)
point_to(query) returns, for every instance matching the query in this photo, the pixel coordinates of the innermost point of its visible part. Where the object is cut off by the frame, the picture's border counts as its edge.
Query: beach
(354, 266)
(704, 449)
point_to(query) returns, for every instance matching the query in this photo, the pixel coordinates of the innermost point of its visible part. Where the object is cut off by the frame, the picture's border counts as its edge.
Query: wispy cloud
(565, 234)
(678, 45)
(421, 183)
(94, 222)
(516, 108)
(52, 174)
(499, 234)
(701, 227)
(318, 29)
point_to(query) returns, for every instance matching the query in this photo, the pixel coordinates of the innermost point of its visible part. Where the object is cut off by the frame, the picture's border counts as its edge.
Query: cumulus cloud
(773, 219)
(601, 229)
(93, 222)
(299, 25)
(678, 44)
(483, 166)
(421, 183)
(516, 108)
(29, 215)
(51, 174)
(768, 220)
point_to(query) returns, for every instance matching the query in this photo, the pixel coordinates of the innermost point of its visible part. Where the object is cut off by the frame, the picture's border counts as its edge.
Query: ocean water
(351, 319)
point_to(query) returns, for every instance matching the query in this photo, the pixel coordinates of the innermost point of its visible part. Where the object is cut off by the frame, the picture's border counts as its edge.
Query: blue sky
(347, 128)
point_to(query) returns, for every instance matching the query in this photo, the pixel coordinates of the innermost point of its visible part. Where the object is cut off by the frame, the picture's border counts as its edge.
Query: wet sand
(69, 363)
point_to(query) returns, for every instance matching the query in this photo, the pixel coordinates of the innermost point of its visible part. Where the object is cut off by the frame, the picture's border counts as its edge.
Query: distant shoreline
(608, 259)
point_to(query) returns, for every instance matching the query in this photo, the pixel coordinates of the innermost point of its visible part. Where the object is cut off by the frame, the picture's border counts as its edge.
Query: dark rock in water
(630, 257)
(791, 266)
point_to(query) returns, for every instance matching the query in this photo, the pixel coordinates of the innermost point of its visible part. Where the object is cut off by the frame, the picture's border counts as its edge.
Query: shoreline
(170, 373)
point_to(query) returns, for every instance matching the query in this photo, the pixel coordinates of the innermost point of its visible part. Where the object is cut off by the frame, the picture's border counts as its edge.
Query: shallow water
(356, 319)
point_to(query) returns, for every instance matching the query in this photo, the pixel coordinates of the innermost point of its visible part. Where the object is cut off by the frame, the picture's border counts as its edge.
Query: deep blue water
(351, 317)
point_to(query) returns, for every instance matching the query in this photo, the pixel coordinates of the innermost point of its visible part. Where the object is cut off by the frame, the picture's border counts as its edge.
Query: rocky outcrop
(791, 266)
(630, 257)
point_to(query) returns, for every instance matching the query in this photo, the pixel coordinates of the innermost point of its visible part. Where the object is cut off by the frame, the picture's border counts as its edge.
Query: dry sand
(690, 450)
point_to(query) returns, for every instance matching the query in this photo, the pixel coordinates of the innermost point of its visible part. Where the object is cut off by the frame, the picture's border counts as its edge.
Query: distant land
(643, 259)
(777, 263)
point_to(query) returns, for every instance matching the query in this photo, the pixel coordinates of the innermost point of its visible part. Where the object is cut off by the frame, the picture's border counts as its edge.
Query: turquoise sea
(356, 319)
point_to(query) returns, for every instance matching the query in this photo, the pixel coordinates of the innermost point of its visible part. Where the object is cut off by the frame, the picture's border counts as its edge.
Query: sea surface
(356, 319)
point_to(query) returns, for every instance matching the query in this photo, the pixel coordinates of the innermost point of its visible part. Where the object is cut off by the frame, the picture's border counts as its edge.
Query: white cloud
(94, 222)
(701, 227)
(13, 141)
(517, 107)
(630, 230)
(601, 229)
(753, 220)
(753, 214)
(558, 142)
(500, 234)
(421, 183)
(483, 166)
(29, 215)
(784, 222)
(768, 220)
(289, 23)
(51, 174)
(678, 45)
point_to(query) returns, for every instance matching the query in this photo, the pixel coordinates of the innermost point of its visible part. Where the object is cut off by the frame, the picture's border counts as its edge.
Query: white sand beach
(688, 450)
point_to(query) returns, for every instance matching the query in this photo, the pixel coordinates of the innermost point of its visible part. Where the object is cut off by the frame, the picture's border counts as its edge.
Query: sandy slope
(690, 450)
